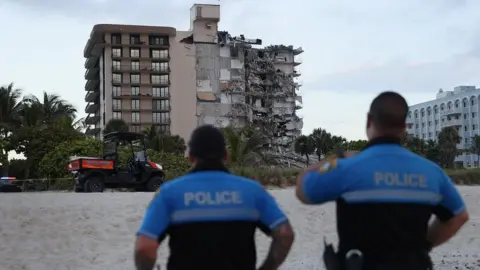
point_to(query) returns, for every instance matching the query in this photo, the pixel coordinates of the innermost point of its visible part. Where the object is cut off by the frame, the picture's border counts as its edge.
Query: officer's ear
(191, 158)
(226, 157)
(369, 120)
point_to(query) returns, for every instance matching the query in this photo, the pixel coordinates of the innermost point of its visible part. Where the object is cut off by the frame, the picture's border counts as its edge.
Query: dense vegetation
(46, 132)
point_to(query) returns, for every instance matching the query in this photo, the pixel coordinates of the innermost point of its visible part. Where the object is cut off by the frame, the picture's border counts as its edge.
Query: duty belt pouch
(354, 260)
(330, 258)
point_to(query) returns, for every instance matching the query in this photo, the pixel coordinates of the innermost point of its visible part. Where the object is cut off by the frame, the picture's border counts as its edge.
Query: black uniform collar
(383, 140)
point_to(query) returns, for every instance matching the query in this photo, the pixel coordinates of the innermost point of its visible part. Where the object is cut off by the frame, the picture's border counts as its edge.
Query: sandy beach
(62, 231)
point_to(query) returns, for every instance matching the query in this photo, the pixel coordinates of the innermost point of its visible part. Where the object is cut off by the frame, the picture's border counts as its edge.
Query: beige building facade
(177, 80)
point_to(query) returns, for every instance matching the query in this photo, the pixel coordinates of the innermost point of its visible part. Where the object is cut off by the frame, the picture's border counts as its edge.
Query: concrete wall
(183, 86)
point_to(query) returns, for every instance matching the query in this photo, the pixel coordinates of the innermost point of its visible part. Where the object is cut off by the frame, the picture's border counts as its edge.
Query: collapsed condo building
(257, 86)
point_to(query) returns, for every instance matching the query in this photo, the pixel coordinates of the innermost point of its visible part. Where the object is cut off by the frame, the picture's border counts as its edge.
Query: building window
(435, 110)
(117, 104)
(134, 128)
(465, 116)
(135, 90)
(160, 92)
(465, 128)
(158, 40)
(473, 114)
(423, 125)
(135, 78)
(117, 115)
(473, 127)
(116, 91)
(161, 118)
(134, 52)
(135, 66)
(159, 79)
(429, 123)
(135, 39)
(135, 104)
(160, 66)
(135, 117)
(472, 102)
(158, 54)
(429, 112)
(429, 134)
(422, 114)
(116, 65)
(464, 104)
(117, 77)
(466, 140)
(163, 129)
(116, 39)
(416, 115)
(117, 52)
(161, 105)
(436, 122)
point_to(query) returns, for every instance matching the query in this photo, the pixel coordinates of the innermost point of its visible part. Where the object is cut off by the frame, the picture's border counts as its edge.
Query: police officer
(386, 195)
(211, 216)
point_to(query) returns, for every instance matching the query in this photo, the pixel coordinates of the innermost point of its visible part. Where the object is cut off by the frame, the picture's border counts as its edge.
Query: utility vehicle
(95, 174)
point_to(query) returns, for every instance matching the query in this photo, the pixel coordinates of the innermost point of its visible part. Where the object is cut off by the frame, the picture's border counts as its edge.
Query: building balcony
(128, 68)
(92, 131)
(91, 62)
(451, 111)
(159, 83)
(92, 119)
(92, 108)
(147, 96)
(297, 51)
(298, 84)
(158, 70)
(297, 61)
(93, 48)
(90, 85)
(92, 73)
(91, 96)
(296, 73)
(161, 121)
(453, 123)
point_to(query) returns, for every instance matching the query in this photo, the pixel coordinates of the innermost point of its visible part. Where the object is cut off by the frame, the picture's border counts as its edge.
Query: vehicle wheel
(94, 185)
(154, 183)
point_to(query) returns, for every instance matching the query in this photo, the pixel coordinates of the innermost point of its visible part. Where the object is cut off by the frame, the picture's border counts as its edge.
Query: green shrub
(54, 162)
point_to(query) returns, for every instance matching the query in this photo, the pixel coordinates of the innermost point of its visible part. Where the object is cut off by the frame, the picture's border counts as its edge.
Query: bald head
(388, 111)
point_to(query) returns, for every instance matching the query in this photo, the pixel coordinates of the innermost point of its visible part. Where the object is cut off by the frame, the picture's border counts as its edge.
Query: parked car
(6, 185)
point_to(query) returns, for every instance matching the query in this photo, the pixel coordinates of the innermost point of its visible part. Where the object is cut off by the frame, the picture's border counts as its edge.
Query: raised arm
(274, 223)
(151, 232)
(451, 214)
(322, 183)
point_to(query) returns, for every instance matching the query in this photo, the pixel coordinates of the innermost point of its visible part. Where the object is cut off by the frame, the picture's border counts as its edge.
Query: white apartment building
(458, 108)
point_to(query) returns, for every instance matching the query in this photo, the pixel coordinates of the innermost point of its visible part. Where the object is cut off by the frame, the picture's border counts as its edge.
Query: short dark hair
(389, 110)
(207, 143)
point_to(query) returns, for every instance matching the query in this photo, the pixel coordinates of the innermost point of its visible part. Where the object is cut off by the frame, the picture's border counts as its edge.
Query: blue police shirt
(211, 217)
(385, 197)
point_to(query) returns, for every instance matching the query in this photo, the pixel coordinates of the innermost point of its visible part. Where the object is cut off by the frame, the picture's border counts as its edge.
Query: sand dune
(50, 231)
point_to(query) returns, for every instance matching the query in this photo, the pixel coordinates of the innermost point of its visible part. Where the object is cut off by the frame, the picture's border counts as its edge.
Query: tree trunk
(5, 166)
(308, 159)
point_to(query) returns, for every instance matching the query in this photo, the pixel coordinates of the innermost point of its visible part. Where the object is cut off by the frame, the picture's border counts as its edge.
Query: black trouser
(408, 263)
(396, 262)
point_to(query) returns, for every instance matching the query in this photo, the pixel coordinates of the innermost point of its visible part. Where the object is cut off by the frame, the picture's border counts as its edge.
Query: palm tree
(448, 139)
(245, 145)
(304, 146)
(9, 120)
(50, 108)
(323, 142)
(115, 125)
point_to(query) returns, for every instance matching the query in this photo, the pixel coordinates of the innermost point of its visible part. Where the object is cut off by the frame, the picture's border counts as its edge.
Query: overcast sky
(353, 49)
